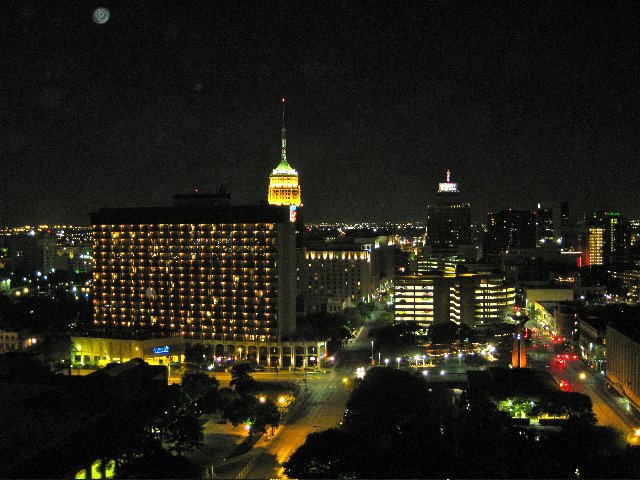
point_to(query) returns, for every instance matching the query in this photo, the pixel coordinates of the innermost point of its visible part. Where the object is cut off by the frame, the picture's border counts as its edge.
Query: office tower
(545, 221)
(607, 238)
(222, 273)
(596, 252)
(284, 188)
(509, 229)
(449, 218)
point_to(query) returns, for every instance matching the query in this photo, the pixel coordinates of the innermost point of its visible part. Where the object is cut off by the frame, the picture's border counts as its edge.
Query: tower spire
(283, 154)
(448, 176)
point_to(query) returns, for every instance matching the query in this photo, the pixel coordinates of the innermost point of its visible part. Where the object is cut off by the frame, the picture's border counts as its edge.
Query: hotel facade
(224, 274)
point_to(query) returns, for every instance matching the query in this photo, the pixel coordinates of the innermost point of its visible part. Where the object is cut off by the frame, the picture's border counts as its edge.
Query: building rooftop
(627, 322)
(503, 381)
(190, 214)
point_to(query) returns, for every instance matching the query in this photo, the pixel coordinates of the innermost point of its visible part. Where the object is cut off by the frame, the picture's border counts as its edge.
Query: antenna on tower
(283, 153)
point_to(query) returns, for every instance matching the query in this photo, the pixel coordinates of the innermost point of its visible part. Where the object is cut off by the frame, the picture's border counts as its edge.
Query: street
(609, 408)
(321, 407)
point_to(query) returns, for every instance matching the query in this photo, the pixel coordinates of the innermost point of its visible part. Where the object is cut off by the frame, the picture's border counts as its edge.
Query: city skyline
(523, 104)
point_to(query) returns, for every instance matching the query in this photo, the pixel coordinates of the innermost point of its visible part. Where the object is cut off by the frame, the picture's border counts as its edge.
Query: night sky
(523, 104)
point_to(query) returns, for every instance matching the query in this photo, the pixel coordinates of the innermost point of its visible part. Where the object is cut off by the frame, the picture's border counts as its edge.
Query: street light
(398, 360)
(386, 362)
(372, 363)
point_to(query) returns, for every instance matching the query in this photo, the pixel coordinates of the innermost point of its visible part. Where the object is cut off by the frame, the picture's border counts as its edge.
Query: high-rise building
(449, 218)
(510, 229)
(32, 251)
(545, 221)
(284, 188)
(596, 252)
(607, 238)
(223, 273)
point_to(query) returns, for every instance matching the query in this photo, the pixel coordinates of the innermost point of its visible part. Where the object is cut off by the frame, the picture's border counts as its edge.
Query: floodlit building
(470, 298)
(284, 188)
(607, 238)
(219, 274)
(595, 246)
(341, 273)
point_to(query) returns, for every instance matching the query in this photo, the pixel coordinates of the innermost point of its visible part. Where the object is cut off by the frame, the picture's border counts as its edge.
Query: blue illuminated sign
(161, 350)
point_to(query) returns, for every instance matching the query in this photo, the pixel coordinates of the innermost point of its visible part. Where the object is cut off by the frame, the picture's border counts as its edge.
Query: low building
(9, 341)
(57, 426)
(548, 295)
(94, 351)
(470, 298)
(623, 359)
(336, 270)
(568, 320)
(593, 341)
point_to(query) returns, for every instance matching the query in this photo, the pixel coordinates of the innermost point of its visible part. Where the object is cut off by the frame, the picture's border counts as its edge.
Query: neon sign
(161, 350)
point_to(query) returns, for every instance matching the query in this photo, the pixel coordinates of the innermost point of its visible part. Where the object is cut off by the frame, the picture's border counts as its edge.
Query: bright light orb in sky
(101, 15)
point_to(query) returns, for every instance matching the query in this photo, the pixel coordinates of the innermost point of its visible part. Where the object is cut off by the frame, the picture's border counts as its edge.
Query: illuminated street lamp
(372, 363)
(582, 376)
(386, 362)
(398, 360)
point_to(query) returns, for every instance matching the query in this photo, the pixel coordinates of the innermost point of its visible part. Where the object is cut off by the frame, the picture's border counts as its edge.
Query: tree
(266, 414)
(146, 458)
(249, 410)
(241, 380)
(323, 455)
(475, 361)
(180, 431)
(197, 353)
(200, 393)
(236, 408)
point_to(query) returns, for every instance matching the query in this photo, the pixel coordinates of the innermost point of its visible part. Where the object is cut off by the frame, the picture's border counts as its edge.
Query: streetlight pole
(372, 362)
(398, 360)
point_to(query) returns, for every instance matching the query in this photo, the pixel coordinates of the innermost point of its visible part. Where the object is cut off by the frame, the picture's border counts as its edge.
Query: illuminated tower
(283, 181)
(448, 219)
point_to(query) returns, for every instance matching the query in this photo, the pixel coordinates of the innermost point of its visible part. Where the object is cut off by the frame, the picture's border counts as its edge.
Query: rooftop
(191, 214)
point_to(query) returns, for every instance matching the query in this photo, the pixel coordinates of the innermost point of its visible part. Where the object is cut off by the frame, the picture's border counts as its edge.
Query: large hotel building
(202, 271)
(225, 273)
